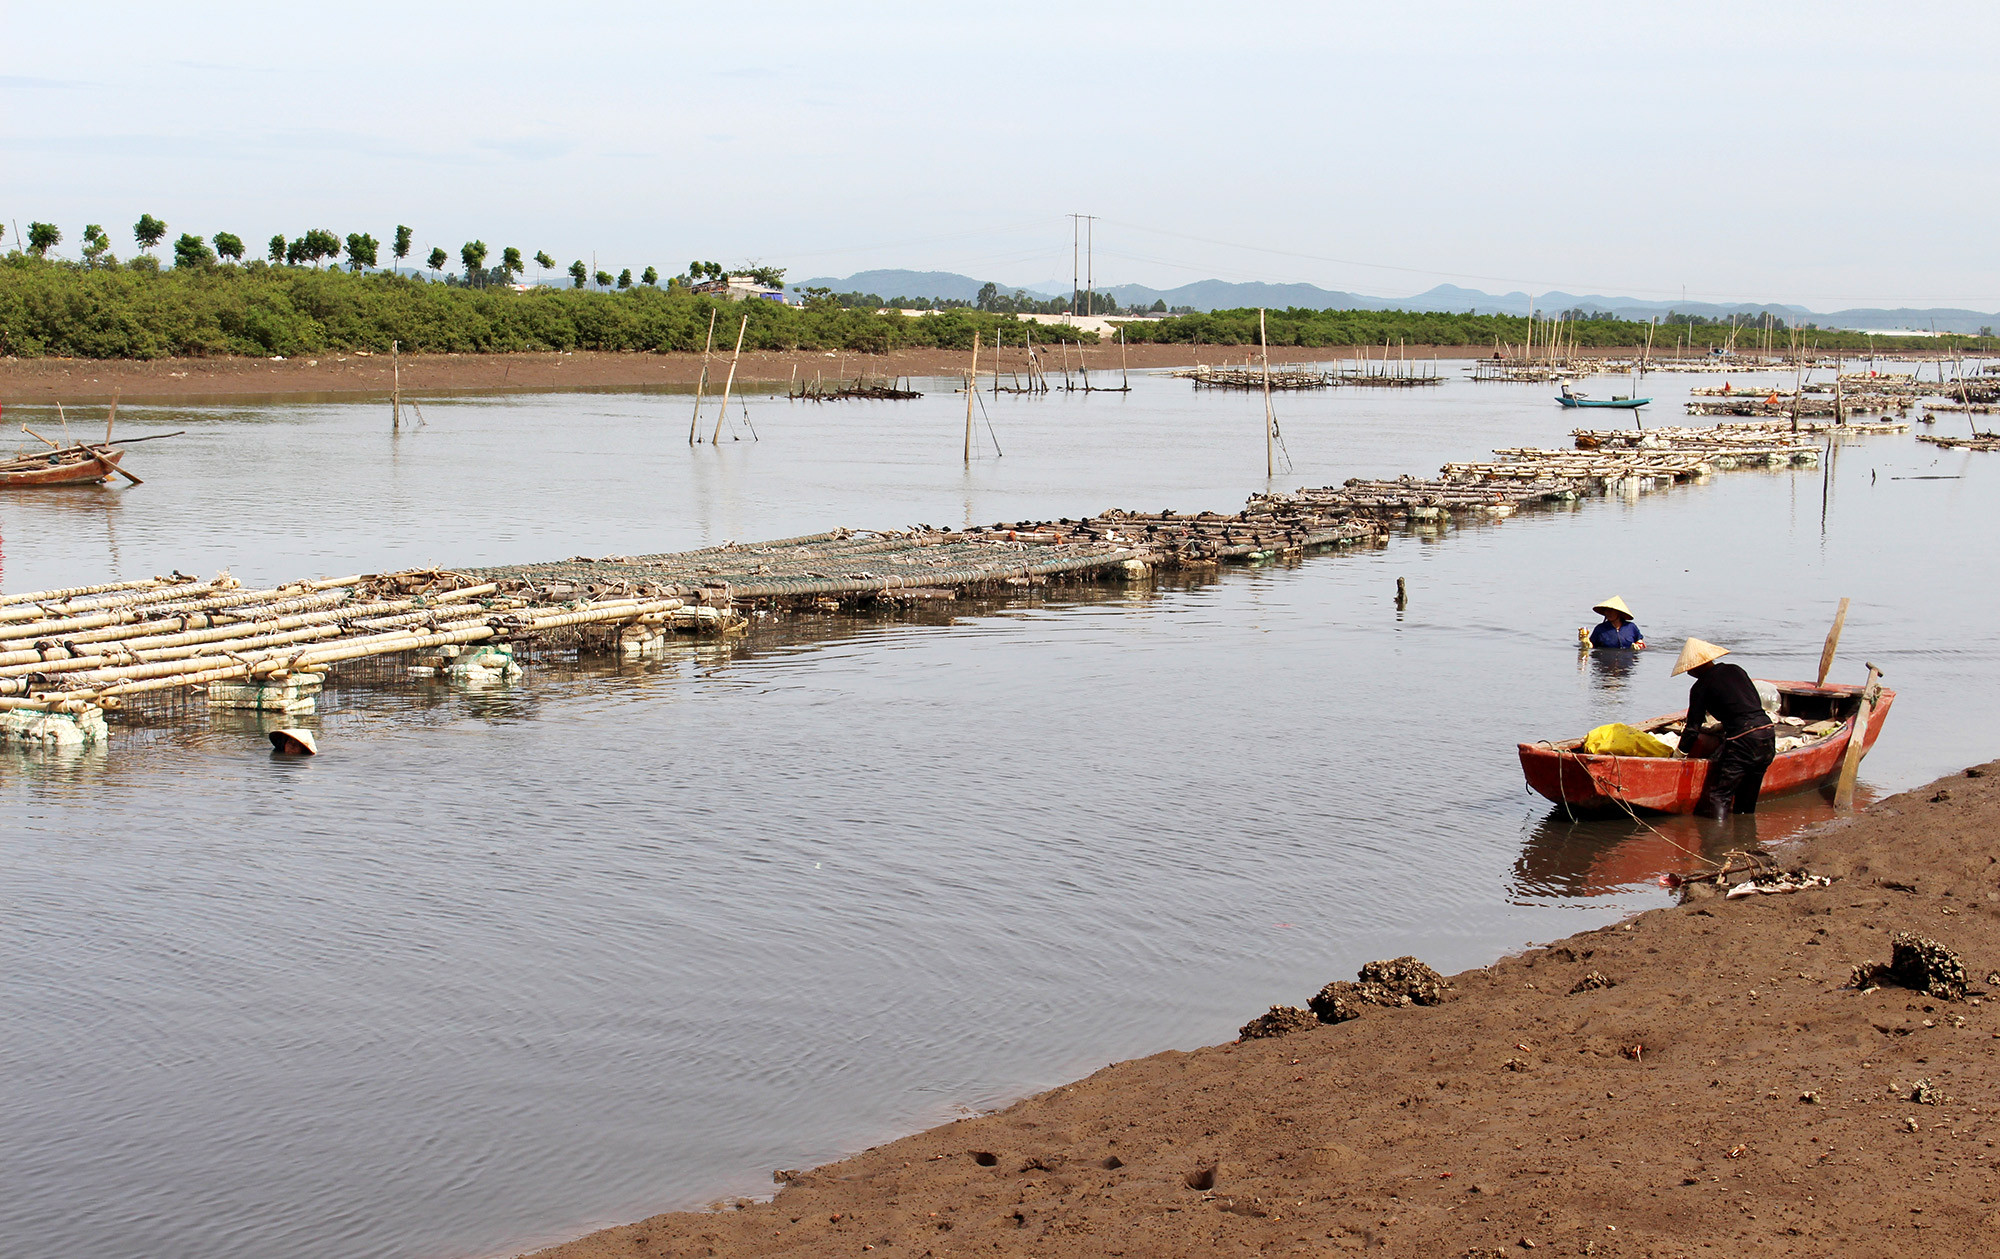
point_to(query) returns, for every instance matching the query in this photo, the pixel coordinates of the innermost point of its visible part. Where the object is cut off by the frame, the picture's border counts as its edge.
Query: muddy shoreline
(1698, 1078)
(67, 380)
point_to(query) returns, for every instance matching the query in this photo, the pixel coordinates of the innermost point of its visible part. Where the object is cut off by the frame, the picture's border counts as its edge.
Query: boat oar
(109, 466)
(1857, 739)
(1832, 641)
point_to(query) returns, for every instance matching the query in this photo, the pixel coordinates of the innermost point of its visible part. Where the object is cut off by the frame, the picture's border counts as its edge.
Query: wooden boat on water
(1570, 776)
(1583, 400)
(77, 465)
(85, 463)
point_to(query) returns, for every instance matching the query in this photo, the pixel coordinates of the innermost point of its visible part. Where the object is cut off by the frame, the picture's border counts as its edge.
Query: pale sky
(1829, 154)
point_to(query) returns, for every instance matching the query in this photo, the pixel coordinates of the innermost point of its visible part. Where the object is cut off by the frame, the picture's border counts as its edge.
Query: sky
(1827, 154)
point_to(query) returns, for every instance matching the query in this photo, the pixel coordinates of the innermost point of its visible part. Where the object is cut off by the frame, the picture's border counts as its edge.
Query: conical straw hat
(1696, 653)
(1613, 604)
(295, 741)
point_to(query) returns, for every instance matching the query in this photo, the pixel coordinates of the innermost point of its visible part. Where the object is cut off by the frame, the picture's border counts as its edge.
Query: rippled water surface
(498, 967)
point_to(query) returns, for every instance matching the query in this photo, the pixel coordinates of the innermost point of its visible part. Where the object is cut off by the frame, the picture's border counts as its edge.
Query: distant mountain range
(1224, 295)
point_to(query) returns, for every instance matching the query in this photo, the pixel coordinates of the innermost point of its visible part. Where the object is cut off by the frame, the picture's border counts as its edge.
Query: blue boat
(1569, 399)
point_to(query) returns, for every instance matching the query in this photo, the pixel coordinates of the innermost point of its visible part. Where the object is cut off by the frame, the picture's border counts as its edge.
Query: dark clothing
(1736, 774)
(1727, 693)
(1615, 636)
(1736, 771)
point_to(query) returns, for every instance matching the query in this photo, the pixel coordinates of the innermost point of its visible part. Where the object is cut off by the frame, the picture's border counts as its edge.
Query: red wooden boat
(79, 465)
(1568, 775)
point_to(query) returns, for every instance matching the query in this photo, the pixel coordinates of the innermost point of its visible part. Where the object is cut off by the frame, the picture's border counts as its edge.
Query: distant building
(740, 288)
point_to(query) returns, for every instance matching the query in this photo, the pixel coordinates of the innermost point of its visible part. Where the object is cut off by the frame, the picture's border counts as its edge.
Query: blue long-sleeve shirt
(1613, 637)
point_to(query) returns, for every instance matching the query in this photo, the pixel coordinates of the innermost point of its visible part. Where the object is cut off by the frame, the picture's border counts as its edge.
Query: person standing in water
(1617, 631)
(1736, 770)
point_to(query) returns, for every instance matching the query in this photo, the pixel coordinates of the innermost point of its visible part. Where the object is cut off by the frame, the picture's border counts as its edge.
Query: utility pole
(1083, 238)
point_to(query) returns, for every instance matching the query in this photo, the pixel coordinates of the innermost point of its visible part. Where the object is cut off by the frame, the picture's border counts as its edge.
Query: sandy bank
(1729, 1094)
(89, 380)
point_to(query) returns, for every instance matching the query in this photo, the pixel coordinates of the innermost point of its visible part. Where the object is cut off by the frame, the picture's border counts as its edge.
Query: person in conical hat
(1747, 744)
(1617, 631)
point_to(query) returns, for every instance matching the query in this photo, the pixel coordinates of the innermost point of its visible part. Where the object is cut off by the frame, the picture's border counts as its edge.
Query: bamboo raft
(1983, 441)
(817, 390)
(1254, 378)
(69, 656)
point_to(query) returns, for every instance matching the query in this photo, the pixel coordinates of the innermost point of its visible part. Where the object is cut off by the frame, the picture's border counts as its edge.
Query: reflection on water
(1611, 670)
(498, 965)
(1572, 855)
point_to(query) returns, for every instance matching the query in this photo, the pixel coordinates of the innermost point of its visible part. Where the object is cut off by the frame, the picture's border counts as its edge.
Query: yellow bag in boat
(1619, 739)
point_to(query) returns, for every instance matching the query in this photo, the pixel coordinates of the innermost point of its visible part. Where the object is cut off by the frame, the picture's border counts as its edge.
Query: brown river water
(501, 966)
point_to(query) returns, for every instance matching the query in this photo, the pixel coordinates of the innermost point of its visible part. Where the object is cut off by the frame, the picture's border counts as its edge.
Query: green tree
(604, 279)
(229, 245)
(95, 245)
(769, 277)
(148, 231)
(625, 278)
(43, 237)
(1159, 306)
(543, 260)
(578, 273)
(361, 251)
(650, 276)
(403, 235)
(989, 296)
(278, 252)
(473, 255)
(295, 252)
(317, 245)
(192, 252)
(438, 258)
(510, 261)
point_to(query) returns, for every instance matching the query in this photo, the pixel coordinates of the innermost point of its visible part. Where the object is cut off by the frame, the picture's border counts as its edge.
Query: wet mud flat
(1753, 1074)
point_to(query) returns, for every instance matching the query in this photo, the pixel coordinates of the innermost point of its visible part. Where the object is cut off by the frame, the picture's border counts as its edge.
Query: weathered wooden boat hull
(1622, 404)
(90, 471)
(1569, 776)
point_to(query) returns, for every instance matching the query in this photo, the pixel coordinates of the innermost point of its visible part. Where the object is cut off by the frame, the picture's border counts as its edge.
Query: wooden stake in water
(694, 424)
(395, 388)
(731, 381)
(1832, 642)
(109, 416)
(971, 394)
(1270, 455)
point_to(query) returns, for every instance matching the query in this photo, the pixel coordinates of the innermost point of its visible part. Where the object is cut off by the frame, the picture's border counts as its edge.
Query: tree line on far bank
(54, 308)
(1592, 330)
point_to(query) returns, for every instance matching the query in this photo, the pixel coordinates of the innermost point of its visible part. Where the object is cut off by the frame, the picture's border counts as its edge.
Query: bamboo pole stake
(701, 381)
(971, 393)
(109, 416)
(395, 388)
(730, 382)
(1270, 455)
(1832, 642)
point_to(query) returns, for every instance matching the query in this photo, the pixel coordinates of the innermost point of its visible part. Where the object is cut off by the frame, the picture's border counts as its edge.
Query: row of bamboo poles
(60, 650)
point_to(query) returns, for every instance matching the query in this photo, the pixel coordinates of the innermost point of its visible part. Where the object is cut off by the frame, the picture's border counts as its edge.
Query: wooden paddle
(1857, 739)
(1832, 641)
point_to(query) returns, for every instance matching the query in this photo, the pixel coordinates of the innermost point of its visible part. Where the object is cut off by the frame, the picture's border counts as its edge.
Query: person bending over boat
(1736, 768)
(1617, 631)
